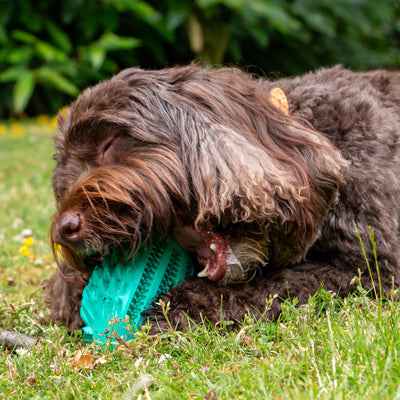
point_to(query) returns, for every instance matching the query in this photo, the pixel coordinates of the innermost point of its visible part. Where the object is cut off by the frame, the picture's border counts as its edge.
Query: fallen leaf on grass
(83, 360)
(87, 361)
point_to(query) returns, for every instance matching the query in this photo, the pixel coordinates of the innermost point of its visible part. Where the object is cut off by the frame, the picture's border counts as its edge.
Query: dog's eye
(106, 151)
(107, 146)
(115, 147)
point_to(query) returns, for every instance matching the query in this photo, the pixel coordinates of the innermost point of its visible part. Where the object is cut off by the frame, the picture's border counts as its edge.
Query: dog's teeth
(213, 247)
(204, 272)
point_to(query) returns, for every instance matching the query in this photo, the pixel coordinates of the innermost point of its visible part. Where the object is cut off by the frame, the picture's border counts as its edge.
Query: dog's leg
(65, 295)
(201, 299)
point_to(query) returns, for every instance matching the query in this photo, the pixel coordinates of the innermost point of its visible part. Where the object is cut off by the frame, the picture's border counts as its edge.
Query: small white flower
(163, 358)
(26, 233)
(138, 362)
(22, 351)
(17, 223)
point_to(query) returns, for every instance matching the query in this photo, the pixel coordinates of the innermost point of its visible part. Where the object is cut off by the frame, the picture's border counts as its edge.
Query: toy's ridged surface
(123, 286)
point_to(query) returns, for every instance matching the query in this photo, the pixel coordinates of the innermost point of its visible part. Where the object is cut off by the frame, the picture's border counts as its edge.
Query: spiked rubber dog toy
(124, 286)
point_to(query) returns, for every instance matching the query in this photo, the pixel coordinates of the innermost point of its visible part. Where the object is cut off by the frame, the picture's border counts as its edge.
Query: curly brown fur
(66, 288)
(187, 149)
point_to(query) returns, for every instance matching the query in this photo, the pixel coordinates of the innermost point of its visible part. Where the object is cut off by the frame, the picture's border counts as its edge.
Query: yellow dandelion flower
(17, 131)
(42, 119)
(57, 247)
(24, 250)
(29, 241)
(3, 129)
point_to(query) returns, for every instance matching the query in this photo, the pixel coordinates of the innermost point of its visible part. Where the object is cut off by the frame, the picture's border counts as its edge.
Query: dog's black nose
(69, 228)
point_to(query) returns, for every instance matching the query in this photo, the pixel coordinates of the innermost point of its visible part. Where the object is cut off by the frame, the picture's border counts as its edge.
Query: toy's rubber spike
(122, 286)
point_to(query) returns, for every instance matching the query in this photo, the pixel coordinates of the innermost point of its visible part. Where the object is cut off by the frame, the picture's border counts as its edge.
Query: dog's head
(151, 149)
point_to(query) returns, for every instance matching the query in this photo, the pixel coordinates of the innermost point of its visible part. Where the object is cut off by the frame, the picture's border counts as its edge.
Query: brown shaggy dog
(267, 201)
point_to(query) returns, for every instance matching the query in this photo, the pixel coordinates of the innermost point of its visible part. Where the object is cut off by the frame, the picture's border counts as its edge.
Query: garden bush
(50, 50)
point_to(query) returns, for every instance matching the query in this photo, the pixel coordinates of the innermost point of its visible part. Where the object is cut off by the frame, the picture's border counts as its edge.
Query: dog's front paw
(198, 300)
(65, 295)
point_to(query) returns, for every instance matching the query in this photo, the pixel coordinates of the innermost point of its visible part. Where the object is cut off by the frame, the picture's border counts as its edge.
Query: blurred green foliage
(50, 50)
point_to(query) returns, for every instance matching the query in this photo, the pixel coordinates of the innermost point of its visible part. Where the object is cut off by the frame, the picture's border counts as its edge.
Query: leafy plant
(53, 58)
(49, 51)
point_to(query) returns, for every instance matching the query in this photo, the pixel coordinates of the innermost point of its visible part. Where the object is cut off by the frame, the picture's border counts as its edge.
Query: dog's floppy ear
(250, 162)
(235, 180)
(312, 173)
(318, 168)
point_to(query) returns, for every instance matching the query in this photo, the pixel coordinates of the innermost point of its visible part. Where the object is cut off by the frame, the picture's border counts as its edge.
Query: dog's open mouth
(214, 251)
(217, 258)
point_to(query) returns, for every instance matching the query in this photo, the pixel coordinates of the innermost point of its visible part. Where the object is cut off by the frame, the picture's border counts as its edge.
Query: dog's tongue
(214, 256)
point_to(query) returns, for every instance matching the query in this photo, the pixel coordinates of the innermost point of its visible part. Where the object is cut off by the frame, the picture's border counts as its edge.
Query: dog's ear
(288, 197)
(251, 163)
(318, 169)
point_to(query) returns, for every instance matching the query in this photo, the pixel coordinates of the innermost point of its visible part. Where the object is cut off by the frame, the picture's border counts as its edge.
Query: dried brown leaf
(83, 360)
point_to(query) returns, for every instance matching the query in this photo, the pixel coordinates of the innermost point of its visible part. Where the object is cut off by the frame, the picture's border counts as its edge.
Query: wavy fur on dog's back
(206, 149)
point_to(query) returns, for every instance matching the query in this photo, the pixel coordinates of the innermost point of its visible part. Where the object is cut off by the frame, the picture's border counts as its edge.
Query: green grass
(329, 349)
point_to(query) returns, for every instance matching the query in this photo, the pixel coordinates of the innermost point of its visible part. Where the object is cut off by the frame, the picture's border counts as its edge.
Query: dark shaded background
(50, 50)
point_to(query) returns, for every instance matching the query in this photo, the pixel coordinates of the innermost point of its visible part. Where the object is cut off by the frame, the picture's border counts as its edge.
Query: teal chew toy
(124, 286)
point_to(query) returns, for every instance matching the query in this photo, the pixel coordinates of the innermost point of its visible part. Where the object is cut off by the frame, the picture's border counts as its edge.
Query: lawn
(329, 349)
